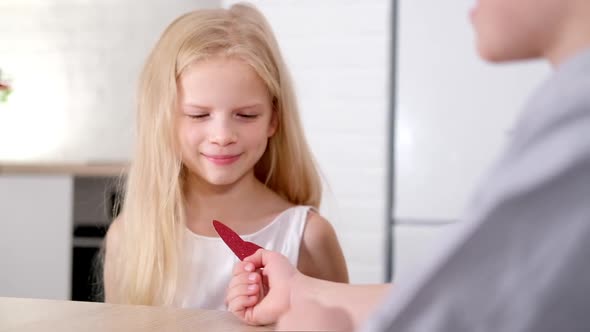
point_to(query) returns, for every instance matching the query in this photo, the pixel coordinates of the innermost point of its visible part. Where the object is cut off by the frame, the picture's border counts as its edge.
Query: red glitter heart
(241, 248)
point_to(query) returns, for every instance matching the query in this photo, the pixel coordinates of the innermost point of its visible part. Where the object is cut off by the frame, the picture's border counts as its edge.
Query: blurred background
(401, 115)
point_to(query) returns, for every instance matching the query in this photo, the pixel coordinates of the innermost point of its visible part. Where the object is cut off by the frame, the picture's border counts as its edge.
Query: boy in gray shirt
(522, 262)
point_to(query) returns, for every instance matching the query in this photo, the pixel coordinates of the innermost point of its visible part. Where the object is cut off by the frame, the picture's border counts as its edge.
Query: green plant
(5, 89)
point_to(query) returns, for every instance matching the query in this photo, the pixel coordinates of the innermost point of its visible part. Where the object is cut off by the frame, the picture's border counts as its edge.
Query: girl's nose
(222, 134)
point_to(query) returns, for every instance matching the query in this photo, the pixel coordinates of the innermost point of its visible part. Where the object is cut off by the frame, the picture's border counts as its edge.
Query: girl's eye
(198, 116)
(247, 116)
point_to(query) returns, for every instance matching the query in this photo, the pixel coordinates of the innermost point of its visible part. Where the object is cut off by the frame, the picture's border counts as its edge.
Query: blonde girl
(218, 137)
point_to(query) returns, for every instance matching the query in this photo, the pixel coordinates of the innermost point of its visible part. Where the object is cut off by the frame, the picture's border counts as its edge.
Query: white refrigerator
(452, 114)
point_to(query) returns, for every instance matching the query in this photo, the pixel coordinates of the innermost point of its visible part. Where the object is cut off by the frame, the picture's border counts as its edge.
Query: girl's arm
(320, 255)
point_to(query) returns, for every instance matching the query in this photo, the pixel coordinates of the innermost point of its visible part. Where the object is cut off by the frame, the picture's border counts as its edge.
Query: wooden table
(19, 315)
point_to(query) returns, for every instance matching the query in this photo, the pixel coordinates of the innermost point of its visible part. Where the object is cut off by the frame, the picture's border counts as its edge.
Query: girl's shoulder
(320, 252)
(318, 228)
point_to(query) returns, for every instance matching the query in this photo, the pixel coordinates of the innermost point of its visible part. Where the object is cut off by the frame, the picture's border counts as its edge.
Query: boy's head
(524, 29)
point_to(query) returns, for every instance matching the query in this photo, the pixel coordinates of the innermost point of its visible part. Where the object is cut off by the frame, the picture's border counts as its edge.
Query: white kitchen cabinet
(38, 210)
(35, 236)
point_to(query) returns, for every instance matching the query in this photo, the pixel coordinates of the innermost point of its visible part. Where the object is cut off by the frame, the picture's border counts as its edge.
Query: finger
(257, 258)
(244, 279)
(242, 290)
(242, 267)
(239, 304)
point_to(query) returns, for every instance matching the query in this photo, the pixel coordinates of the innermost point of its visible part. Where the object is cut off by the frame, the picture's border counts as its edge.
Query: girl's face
(516, 29)
(224, 120)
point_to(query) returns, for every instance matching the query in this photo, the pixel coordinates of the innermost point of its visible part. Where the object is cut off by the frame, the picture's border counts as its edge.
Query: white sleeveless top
(210, 262)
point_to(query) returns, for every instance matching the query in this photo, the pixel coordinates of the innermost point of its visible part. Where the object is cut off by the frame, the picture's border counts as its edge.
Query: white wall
(338, 53)
(74, 66)
(454, 115)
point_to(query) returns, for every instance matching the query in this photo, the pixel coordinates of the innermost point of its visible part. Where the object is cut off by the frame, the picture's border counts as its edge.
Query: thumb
(257, 258)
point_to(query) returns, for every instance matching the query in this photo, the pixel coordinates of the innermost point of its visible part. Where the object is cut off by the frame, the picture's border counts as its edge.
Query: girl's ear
(274, 123)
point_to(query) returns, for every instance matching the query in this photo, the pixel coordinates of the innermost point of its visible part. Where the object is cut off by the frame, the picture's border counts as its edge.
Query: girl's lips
(222, 159)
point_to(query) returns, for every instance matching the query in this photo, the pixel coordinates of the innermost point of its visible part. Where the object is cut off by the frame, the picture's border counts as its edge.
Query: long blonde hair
(147, 267)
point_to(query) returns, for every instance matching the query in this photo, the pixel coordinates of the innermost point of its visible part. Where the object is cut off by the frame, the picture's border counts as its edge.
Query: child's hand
(279, 278)
(245, 290)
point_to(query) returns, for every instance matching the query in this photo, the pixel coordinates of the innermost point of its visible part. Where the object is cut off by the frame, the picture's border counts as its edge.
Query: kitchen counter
(75, 169)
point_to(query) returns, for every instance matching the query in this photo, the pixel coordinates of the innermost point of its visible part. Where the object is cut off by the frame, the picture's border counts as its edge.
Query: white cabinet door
(35, 236)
